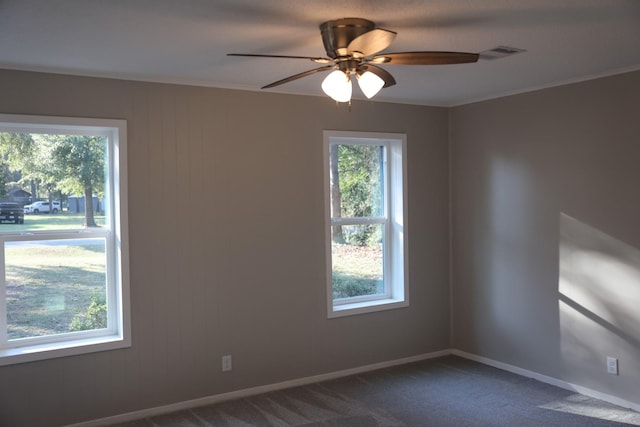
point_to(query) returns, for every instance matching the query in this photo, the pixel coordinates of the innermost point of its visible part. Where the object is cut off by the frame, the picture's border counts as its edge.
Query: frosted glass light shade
(370, 84)
(338, 86)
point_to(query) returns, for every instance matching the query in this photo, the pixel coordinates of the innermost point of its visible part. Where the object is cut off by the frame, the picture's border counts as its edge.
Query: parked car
(42, 207)
(11, 212)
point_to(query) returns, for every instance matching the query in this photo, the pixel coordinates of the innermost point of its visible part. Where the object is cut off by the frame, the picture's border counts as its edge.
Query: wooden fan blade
(371, 42)
(311, 58)
(298, 76)
(380, 72)
(425, 58)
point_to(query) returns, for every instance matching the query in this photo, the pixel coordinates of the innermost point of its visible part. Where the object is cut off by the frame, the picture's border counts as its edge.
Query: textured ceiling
(186, 41)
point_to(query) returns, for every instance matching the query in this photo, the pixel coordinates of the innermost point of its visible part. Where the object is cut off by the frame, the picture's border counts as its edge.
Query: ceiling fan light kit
(351, 45)
(337, 85)
(370, 84)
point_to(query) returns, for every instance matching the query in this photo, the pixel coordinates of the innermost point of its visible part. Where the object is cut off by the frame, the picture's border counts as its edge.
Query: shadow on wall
(599, 295)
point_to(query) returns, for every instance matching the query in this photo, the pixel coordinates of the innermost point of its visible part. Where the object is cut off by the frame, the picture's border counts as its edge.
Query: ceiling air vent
(500, 52)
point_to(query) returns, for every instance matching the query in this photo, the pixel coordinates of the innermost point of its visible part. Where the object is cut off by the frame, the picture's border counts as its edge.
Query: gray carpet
(448, 391)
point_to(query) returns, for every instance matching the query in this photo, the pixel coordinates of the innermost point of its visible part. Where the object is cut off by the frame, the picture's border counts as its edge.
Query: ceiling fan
(352, 45)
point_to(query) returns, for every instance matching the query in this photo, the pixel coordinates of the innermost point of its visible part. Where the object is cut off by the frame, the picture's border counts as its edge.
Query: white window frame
(395, 259)
(118, 331)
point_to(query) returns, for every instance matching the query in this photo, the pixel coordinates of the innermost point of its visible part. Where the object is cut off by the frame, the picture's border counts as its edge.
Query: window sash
(393, 218)
(111, 296)
(114, 232)
(354, 220)
(386, 256)
(386, 290)
(383, 220)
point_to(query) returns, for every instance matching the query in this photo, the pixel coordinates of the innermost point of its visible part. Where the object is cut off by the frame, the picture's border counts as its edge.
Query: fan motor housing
(337, 34)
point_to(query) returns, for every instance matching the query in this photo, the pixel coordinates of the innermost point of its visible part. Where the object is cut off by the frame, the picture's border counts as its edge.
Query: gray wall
(546, 233)
(545, 240)
(227, 246)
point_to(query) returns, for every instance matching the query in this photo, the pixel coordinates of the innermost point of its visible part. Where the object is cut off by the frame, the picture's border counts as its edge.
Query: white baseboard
(209, 400)
(549, 380)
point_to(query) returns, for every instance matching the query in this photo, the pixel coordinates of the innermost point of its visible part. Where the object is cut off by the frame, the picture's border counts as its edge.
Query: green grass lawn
(59, 221)
(357, 270)
(50, 286)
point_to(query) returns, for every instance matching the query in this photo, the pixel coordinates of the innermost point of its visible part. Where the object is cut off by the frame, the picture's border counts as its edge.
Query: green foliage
(95, 317)
(345, 286)
(56, 164)
(26, 160)
(80, 162)
(360, 169)
(357, 270)
(4, 172)
(16, 148)
(362, 235)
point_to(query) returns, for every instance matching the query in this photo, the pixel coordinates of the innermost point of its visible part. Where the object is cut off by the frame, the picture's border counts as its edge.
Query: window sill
(10, 356)
(366, 307)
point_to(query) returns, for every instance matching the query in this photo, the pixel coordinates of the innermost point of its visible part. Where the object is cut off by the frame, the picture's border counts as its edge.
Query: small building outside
(18, 195)
(76, 204)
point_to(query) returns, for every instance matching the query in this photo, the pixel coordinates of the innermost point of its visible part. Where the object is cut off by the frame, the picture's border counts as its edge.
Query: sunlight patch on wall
(599, 292)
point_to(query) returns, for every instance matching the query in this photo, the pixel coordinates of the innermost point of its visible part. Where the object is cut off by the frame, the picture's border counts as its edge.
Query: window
(64, 251)
(365, 206)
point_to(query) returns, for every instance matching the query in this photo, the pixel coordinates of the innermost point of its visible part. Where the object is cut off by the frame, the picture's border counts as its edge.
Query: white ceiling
(186, 41)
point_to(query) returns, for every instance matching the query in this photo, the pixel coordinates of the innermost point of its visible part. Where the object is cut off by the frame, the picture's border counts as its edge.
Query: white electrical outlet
(612, 365)
(226, 363)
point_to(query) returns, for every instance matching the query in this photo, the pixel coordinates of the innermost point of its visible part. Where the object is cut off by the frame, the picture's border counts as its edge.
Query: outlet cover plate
(612, 365)
(226, 363)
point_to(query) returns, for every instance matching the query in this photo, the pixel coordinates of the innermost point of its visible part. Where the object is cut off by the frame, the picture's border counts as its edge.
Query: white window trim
(118, 332)
(396, 224)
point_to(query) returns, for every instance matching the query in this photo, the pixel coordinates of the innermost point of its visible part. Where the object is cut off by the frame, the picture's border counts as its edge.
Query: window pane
(55, 286)
(356, 181)
(366, 223)
(357, 264)
(50, 176)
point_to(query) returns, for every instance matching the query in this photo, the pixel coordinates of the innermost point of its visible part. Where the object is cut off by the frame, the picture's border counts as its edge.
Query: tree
(23, 160)
(4, 173)
(359, 184)
(71, 163)
(79, 167)
(334, 185)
